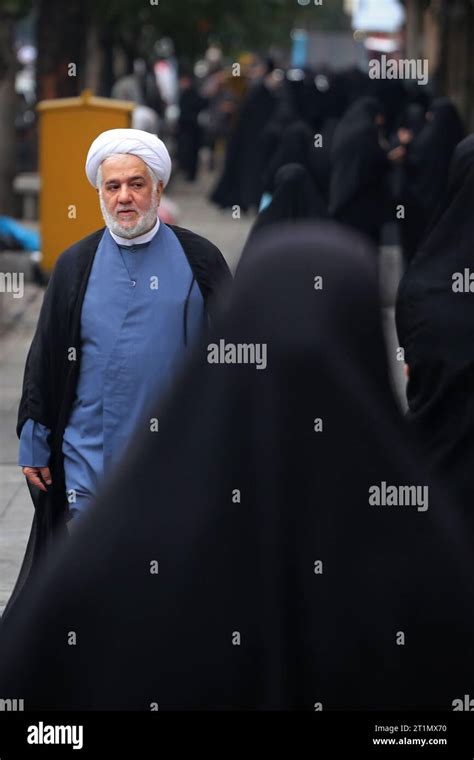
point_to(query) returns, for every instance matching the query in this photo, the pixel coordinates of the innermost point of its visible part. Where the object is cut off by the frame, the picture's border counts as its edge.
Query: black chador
(435, 322)
(359, 167)
(236, 562)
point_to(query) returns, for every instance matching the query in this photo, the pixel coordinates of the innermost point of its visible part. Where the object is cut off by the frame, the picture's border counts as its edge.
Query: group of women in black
(376, 152)
(278, 583)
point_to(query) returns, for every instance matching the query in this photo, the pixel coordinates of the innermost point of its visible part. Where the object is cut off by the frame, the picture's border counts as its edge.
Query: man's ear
(159, 189)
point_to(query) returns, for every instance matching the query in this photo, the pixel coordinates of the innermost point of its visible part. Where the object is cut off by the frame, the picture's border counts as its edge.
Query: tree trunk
(8, 105)
(94, 60)
(107, 42)
(61, 35)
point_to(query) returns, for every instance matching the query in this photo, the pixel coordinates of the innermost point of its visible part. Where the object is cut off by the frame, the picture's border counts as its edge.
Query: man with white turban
(122, 308)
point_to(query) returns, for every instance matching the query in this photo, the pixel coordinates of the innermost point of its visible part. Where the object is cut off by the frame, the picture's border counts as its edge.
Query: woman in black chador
(435, 322)
(240, 183)
(424, 172)
(295, 198)
(359, 167)
(247, 555)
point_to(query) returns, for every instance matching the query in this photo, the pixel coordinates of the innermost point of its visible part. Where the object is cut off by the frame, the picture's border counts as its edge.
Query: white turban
(146, 146)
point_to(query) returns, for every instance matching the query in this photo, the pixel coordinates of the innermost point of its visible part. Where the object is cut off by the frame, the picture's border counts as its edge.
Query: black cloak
(50, 379)
(436, 328)
(189, 133)
(350, 85)
(311, 95)
(431, 152)
(235, 561)
(240, 183)
(393, 96)
(295, 198)
(359, 166)
(426, 171)
(414, 118)
(295, 146)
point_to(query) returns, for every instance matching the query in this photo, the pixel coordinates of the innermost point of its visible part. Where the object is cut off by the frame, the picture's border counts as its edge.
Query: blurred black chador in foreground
(239, 561)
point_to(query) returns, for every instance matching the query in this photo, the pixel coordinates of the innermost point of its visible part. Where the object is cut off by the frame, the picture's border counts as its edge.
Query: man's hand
(36, 476)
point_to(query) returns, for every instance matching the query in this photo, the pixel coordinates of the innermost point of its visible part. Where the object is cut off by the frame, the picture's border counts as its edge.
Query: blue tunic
(133, 339)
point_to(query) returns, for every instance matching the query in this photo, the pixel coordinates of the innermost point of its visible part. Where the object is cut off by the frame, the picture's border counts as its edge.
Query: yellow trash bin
(69, 206)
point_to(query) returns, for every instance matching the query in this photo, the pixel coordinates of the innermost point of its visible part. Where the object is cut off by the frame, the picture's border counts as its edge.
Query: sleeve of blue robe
(34, 448)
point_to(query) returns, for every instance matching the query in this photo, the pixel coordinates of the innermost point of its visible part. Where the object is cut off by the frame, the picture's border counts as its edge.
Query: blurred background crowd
(226, 80)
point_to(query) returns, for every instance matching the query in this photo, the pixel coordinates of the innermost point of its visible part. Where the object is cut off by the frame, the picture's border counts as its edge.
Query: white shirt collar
(145, 238)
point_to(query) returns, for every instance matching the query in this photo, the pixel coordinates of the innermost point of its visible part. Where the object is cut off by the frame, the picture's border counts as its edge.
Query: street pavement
(16, 509)
(18, 318)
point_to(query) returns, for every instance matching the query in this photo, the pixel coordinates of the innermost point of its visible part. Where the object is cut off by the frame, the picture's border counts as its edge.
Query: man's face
(128, 200)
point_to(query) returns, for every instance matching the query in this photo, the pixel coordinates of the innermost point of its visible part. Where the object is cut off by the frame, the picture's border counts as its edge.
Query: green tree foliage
(236, 24)
(15, 8)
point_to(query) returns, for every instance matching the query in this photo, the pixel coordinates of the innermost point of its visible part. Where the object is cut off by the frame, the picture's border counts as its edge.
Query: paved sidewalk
(16, 508)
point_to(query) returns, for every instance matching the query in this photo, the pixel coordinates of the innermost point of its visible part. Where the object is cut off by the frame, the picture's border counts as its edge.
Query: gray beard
(144, 224)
